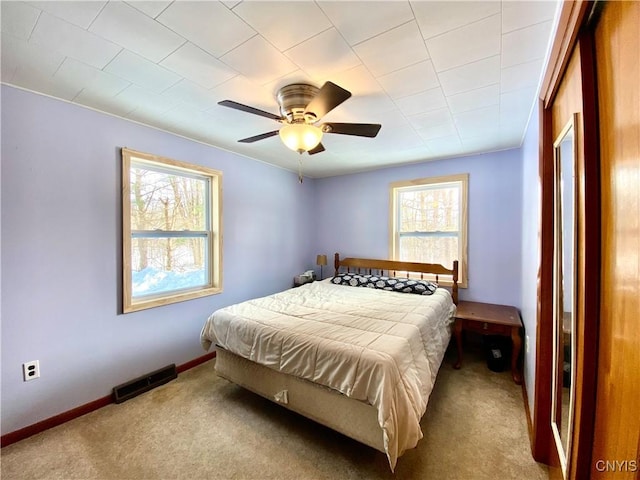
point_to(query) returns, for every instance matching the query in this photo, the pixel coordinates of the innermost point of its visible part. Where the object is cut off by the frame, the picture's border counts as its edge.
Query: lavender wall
(353, 218)
(60, 253)
(530, 248)
(60, 238)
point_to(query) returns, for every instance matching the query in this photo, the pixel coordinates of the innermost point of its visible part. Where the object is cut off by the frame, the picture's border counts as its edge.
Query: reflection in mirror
(564, 298)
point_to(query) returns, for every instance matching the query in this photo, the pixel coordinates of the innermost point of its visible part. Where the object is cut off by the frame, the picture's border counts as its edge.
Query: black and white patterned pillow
(351, 279)
(404, 285)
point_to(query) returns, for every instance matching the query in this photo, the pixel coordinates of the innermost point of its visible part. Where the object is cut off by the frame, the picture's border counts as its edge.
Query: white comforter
(381, 347)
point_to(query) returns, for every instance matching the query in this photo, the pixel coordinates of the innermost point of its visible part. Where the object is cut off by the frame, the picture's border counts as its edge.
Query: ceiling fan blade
(262, 136)
(248, 109)
(328, 98)
(317, 149)
(358, 129)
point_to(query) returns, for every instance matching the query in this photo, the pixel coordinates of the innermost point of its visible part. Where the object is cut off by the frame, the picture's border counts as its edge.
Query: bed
(362, 361)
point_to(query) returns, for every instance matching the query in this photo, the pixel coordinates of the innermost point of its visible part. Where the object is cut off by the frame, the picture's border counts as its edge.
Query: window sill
(158, 302)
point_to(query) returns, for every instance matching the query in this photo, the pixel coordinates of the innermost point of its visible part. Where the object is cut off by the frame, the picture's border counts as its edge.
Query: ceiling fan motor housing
(293, 100)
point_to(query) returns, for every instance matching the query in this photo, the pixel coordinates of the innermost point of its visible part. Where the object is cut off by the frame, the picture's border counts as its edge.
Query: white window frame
(459, 180)
(213, 232)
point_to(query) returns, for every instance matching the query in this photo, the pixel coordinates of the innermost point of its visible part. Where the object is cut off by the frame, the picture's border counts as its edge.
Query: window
(171, 231)
(428, 221)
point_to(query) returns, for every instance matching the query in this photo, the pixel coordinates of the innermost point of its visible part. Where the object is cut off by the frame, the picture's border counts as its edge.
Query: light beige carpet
(202, 427)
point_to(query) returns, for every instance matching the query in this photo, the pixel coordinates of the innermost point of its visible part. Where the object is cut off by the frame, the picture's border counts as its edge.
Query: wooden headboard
(378, 267)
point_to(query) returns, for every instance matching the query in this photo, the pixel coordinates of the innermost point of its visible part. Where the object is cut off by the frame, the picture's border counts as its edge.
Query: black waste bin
(496, 351)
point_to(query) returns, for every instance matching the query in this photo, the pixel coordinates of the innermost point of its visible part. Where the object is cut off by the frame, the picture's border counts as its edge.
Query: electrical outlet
(526, 343)
(31, 370)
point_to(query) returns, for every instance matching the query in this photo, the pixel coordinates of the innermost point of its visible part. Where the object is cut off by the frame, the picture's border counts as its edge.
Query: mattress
(380, 347)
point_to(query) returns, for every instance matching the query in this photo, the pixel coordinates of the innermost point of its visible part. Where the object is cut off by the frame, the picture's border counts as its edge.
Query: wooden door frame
(575, 30)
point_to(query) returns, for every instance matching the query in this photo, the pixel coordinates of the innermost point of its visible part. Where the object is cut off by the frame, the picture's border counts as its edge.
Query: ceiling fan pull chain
(300, 177)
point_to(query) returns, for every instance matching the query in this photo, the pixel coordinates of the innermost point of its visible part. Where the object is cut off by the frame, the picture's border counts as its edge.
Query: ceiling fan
(301, 107)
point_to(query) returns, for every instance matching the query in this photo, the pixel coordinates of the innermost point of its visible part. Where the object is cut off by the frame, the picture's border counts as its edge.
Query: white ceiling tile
(142, 72)
(430, 119)
(516, 15)
(178, 118)
(520, 76)
(387, 68)
(231, 3)
(32, 67)
(358, 81)
(358, 21)
(73, 41)
(406, 137)
(392, 50)
(112, 105)
(394, 120)
(436, 18)
(79, 13)
(362, 109)
(105, 85)
(471, 76)
(478, 122)
(28, 57)
(86, 77)
(353, 146)
(426, 101)
(526, 44)
(513, 130)
(466, 44)
(152, 8)
(144, 117)
(445, 146)
(189, 116)
(485, 143)
(198, 66)
(192, 95)
(18, 19)
(143, 100)
(241, 90)
(38, 82)
(7, 73)
(10, 55)
(433, 132)
(410, 80)
(210, 25)
(126, 26)
(279, 22)
(476, 144)
(487, 115)
(324, 54)
(259, 61)
(474, 99)
(518, 100)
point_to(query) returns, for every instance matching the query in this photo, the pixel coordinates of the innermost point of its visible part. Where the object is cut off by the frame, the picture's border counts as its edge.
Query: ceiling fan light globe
(300, 137)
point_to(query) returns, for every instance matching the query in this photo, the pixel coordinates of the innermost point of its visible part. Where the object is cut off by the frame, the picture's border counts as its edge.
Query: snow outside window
(171, 237)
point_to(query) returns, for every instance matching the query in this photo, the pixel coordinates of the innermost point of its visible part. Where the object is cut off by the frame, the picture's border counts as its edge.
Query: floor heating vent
(144, 383)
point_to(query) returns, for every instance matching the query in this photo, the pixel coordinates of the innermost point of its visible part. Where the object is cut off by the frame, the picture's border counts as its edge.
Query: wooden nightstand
(490, 319)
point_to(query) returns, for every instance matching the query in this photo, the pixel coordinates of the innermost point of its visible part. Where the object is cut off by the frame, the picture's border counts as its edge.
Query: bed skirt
(353, 418)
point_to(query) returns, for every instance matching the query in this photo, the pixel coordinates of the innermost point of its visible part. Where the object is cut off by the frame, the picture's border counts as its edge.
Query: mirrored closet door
(564, 297)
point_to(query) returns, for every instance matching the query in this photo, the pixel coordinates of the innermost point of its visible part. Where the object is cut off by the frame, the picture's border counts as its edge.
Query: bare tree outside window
(170, 220)
(428, 221)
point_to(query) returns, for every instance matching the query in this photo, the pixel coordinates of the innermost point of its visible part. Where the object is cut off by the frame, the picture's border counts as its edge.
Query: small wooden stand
(490, 319)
